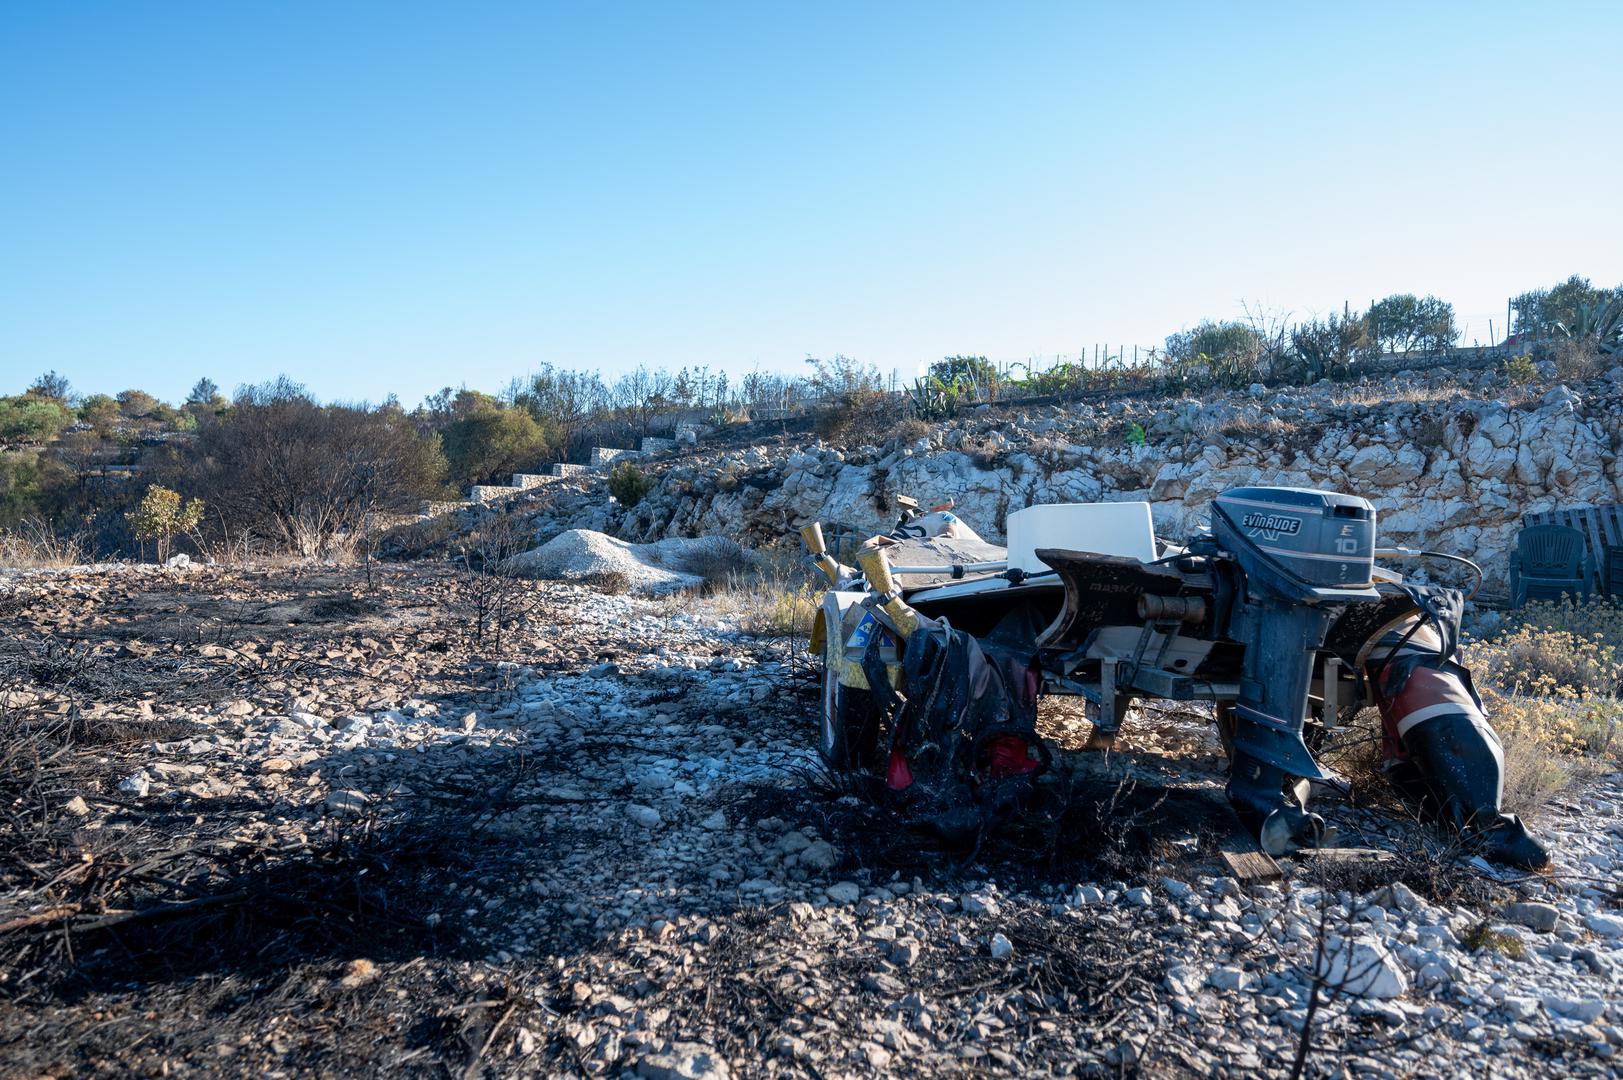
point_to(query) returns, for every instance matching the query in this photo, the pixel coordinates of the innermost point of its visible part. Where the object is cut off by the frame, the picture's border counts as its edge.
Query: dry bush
(859, 418)
(1390, 392)
(718, 568)
(493, 601)
(778, 611)
(1544, 662)
(1567, 651)
(608, 582)
(1429, 432)
(420, 538)
(33, 544)
(1246, 429)
(1579, 359)
(911, 430)
(1550, 683)
(1601, 620)
(305, 476)
(775, 595)
(1551, 742)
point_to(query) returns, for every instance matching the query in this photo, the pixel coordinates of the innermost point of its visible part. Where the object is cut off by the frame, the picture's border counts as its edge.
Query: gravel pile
(664, 566)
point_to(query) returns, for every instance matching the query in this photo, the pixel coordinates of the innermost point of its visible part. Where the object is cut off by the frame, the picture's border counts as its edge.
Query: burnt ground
(298, 822)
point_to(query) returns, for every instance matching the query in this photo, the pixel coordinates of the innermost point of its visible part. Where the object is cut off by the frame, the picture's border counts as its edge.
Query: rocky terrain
(291, 822)
(1451, 460)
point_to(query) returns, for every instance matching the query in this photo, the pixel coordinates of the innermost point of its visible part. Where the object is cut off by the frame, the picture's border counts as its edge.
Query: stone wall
(608, 455)
(437, 507)
(485, 493)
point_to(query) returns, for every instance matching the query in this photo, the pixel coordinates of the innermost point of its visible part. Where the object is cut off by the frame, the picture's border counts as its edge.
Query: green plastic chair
(1550, 562)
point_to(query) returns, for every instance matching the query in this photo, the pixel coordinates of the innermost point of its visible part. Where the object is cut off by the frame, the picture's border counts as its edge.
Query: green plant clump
(1520, 370)
(628, 484)
(161, 516)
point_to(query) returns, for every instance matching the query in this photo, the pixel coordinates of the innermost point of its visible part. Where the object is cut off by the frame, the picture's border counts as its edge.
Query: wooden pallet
(1246, 861)
(1602, 527)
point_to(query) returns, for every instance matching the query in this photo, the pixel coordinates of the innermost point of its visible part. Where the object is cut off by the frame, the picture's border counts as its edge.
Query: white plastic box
(1121, 528)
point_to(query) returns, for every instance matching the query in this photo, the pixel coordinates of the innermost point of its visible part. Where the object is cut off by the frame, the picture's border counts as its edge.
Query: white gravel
(648, 569)
(642, 833)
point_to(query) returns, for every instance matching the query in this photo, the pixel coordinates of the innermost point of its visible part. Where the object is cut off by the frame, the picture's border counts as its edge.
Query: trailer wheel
(848, 732)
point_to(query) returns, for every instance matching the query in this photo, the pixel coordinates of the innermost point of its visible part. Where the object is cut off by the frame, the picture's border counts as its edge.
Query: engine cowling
(1324, 539)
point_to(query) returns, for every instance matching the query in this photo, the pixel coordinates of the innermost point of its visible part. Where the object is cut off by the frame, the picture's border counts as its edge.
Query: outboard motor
(1302, 557)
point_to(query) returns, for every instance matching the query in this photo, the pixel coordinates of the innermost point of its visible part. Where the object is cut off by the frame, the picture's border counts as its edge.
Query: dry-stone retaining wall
(608, 455)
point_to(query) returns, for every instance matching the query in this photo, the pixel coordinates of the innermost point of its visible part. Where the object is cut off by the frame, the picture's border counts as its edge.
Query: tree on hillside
(766, 390)
(281, 467)
(684, 390)
(161, 517)
(135, 404)
(1540, 311)
(641, 395)
(1228, 351)
(32, 486)
(100, 412)
(1404, 322)
(491, 444)
(51, 387)
(561, 402)
(438, 410)
(205, 392)
(977, 369)
(843, 376)
(1224, 341)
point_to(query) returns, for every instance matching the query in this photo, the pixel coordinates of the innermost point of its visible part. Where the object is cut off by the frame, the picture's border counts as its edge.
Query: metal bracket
(1113, 702)
(1332, 692)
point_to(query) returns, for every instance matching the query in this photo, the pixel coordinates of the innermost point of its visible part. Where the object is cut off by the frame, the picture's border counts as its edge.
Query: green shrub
(628, 484)
(1064, 377)
(1520, 370)
(161, 516)
(491, 443)
(779, 611)
(30, 419)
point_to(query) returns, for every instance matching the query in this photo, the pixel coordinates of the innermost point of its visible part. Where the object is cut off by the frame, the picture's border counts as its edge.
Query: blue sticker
(859, 637)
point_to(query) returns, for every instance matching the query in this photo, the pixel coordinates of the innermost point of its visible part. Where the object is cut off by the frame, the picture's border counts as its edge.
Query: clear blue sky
(404, 196)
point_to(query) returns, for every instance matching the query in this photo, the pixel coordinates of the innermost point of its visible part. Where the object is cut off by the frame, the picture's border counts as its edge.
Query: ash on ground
(286, 823)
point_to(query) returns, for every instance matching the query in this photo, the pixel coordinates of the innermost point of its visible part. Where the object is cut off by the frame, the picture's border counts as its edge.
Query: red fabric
(1426, 686)
(897, 775)
(1007, 755)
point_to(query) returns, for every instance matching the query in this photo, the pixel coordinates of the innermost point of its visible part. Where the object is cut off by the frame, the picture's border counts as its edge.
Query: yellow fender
(832, 627)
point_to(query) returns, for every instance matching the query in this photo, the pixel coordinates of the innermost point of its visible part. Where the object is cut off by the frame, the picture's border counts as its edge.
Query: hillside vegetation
(271, 470)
